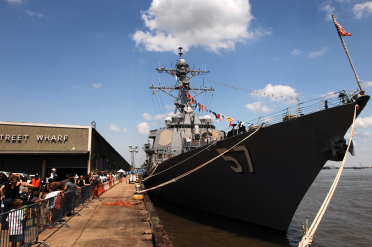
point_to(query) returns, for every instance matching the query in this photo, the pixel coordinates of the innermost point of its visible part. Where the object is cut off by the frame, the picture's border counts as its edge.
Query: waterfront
(347, 221)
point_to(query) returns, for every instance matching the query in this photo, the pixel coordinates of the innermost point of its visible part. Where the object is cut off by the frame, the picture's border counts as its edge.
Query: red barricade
(99, 189)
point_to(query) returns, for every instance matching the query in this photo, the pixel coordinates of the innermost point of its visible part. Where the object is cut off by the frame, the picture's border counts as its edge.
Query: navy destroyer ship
(257, 173)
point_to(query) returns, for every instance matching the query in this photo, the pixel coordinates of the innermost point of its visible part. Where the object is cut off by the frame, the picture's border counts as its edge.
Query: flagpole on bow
(347, 53)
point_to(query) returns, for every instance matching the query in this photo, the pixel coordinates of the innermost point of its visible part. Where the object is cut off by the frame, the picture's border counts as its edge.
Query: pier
(104, 224)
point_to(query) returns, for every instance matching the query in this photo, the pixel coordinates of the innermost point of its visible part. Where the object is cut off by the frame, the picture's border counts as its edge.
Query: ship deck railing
(305, 108)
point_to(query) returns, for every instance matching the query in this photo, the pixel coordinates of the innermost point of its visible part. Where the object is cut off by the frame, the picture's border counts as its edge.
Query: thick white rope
(197, 168)
(151, 175)
(308, 237)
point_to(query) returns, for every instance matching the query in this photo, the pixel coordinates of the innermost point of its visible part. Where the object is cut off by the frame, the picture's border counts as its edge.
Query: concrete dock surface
(102, 225)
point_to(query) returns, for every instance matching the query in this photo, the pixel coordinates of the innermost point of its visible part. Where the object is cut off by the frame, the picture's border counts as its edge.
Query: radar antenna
(180, 72)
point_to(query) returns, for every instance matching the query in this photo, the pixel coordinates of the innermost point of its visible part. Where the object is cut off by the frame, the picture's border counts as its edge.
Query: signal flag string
(256, 92)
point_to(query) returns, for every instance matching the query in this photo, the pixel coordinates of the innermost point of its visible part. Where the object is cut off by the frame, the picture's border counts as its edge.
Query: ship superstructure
(185, 130)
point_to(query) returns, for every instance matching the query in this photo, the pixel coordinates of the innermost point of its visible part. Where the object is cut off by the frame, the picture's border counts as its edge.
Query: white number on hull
(237, 168)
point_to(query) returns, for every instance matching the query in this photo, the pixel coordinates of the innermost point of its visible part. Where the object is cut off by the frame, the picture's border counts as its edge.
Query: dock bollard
(138, 187)
(137, 196)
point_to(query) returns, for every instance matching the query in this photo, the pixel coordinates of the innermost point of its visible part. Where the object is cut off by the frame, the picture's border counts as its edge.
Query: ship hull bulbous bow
(264, 178)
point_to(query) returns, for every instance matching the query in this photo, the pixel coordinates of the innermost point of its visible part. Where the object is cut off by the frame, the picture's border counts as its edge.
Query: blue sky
(74, 62)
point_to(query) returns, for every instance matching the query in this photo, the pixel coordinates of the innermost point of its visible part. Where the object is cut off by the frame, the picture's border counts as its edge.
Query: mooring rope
(308, 237)
(151, 175)
(197, 168)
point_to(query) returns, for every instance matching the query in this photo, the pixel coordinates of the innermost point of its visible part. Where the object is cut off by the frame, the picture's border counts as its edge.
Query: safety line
(197, 168)
(308, 237)
(175, 164)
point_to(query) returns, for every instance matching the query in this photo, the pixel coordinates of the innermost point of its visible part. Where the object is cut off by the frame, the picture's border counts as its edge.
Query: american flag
(341, 30)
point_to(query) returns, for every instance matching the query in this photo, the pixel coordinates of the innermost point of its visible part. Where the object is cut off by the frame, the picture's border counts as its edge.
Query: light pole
(132, 151)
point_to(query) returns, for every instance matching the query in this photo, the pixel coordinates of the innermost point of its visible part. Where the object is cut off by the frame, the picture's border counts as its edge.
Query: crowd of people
(15, 193)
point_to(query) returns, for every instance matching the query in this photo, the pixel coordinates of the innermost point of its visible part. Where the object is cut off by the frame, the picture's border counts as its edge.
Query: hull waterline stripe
(197, 168)
(308, 237)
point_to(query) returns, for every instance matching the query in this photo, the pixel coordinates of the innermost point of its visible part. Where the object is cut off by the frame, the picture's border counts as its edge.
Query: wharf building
(36, 148)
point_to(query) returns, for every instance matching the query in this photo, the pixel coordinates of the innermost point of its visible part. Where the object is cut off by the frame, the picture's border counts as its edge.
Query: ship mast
(181, 72)
(348, 56)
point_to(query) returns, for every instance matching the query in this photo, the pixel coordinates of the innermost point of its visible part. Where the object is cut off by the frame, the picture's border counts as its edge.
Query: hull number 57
(237, 167)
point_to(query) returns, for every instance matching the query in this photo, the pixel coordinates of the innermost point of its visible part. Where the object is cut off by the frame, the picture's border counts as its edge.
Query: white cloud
(277, 93)
(15, 1)
(296, 52)
(213, 24)
(147, 116)
(112, 127)
(328, 9)
(363, 137)
(257, 107)
(315, 54)
(96, 85)
(268, 119)
(32, 13)
(364, 123)
(367, 84)
(366, 137)
(143, 128)
(362, 9)
(125, 130)
(331, 93)
(163, 116)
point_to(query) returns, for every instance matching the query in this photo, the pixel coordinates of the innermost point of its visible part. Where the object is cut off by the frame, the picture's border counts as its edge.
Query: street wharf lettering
(39, 138)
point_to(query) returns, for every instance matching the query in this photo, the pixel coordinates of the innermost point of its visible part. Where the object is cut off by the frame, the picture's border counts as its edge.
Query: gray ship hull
(285, 159)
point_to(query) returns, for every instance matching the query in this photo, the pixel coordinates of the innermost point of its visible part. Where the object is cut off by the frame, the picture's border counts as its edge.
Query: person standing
(3, 179)
(70, 185)
(16, 220)
(46, 183)
(69, 188)
(10, 194)
(51, 199)
(81, 181)
(87, 179)
(36, 182)
(54, 174)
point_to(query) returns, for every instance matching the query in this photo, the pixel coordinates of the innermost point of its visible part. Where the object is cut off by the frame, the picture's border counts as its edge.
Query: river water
(347, 222)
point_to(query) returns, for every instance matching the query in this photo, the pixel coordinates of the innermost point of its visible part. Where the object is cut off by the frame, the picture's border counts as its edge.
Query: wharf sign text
(39, 138)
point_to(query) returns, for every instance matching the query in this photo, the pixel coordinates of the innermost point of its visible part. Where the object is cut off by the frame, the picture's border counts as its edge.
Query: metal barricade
(24, 225)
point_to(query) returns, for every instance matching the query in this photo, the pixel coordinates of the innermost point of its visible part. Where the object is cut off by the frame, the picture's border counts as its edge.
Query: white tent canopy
(121, 170)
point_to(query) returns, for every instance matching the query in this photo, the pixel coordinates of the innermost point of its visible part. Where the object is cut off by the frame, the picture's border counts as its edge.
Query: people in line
(37, 183)
(3, 179)
(81, 181)
(51, 203)
(87, 179)
(9, 192)
(70, 185)
(14, 191)
(54, 174)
